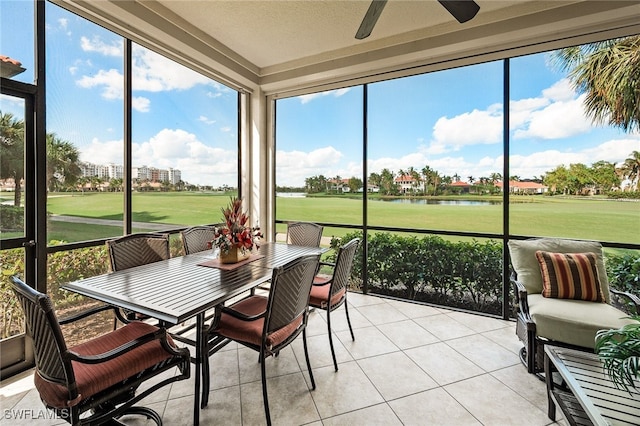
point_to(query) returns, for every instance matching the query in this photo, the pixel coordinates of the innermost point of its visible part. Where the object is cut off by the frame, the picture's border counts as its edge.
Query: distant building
(142, 173)
(524, 187)
(407, 183)
(463, 187)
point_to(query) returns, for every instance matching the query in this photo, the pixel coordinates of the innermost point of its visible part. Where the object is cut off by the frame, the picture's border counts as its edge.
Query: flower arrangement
(235, 234)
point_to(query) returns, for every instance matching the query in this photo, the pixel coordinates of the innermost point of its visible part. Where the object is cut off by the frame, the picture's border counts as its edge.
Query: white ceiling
(281, 45)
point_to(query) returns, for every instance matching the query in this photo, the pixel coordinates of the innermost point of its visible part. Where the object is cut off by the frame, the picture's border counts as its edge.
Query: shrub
(431, 269)
(11, 218)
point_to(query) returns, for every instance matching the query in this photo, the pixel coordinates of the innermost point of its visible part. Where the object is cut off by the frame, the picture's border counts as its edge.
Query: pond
(444, 202)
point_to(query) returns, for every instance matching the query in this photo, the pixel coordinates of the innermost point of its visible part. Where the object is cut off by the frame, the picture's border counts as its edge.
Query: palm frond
(619, 351)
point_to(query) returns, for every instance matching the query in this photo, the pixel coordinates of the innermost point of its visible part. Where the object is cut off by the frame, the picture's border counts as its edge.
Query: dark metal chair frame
(304, 234)
(338, 281)
(288, 300)
(54, 363)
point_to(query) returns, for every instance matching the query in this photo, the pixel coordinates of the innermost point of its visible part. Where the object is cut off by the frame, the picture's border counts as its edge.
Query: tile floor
(409, 365)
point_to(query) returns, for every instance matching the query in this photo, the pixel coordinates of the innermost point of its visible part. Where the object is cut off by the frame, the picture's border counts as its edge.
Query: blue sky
(449, 120)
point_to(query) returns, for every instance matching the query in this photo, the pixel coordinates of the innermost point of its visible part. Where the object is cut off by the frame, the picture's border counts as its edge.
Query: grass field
(584, 218)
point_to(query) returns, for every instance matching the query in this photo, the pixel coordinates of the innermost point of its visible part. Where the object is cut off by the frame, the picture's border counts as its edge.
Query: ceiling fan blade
(370, 18)
(462, 10)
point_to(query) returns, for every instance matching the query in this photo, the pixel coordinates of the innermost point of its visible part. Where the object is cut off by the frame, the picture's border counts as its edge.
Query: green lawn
(585, 218)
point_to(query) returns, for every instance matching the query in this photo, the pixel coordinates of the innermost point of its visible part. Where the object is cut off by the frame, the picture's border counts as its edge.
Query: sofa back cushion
(526, 266)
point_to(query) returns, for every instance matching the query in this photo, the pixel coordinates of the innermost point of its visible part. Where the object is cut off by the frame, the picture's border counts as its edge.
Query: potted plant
(619, 351)
(235, 239)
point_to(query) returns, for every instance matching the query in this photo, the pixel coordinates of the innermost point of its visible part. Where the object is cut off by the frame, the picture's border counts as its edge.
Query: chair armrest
(633, 298)
(240, 315)
(521, 294)
(159, 334)
(330, 280)
(87, 313)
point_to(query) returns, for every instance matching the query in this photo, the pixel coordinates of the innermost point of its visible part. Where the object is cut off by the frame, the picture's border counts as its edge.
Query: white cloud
(198, 163)
(63, 22)
(111, 82)
(140, 103)
(615, 150)
(155, 73)
(557, 120)
(470, 128)
(151, 73)
(520, 110)
(96, 44)
(335, 93)
(557, 113)
(206, 120)
(295, 166)
(560, 91)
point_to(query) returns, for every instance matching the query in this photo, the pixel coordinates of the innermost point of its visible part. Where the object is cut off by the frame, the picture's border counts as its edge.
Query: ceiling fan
(462, 10)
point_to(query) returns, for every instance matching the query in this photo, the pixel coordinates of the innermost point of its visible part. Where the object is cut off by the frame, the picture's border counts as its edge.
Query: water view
(443, 202)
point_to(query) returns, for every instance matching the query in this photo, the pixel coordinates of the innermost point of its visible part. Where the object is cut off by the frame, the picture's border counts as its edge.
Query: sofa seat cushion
(573, 321)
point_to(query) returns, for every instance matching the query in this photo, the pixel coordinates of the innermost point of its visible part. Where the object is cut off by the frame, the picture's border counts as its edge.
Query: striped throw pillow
(570, 276)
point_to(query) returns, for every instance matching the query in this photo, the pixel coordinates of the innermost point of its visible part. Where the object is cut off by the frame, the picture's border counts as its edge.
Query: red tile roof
(10, 61)
(10, 67)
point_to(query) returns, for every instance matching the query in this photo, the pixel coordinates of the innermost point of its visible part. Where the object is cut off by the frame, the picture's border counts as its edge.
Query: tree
(608, 72)
(354, 184)
(375, 179)
(631, 169)
(604, 176)
(426, 174)
(12, 152)
(387, 183)
(495, 177)
(62, 162)
(558, 179)
(579, 177)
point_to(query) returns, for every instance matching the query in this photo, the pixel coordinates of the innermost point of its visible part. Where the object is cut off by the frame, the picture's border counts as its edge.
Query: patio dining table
(179, 289)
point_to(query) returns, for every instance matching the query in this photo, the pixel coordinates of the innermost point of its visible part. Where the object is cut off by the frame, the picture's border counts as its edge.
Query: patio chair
(267, 324)
(304, 234)
(135, 250)
(197, 238)
(563, 296)
(95, 382)
(300, 234)
(329, 292)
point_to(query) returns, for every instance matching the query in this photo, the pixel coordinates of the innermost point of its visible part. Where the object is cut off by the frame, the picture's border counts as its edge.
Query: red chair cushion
(94, 378)
(251, 331)
(320, 294)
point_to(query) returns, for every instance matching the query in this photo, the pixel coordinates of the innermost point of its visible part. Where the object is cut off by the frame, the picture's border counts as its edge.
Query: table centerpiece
(235, 238)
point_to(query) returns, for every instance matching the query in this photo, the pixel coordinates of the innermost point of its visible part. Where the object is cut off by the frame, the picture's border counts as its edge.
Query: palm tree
(609, 73)
(631, 169)
(12, 152)
(426, 173)
(62, 162)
